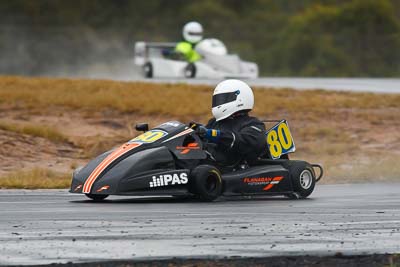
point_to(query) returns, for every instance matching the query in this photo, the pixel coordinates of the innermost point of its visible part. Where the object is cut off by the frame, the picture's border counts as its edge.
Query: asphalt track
(369, 85)
(51, 226)
(131, 72)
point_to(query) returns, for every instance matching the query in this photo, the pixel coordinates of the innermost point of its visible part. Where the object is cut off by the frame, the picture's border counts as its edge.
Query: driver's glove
(166, 52)
(211, 135)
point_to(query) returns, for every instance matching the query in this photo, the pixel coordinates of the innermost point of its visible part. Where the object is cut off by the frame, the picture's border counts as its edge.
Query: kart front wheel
(148, 70)
(96, 197)
(303, 178)
(190, 70)
(206, 182)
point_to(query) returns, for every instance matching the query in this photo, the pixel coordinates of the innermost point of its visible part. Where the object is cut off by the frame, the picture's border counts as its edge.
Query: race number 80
(279, 140)
(150, 136)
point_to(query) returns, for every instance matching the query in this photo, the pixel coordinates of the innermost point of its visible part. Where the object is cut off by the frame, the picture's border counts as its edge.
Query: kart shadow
(165, 200)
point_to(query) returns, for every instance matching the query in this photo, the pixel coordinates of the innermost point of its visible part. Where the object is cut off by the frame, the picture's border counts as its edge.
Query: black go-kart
(172, 159)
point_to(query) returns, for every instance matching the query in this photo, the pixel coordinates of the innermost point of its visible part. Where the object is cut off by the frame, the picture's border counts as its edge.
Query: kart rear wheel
(190, 71)
(148, 70)
(96, 197)
(206, 182)
(303, 178)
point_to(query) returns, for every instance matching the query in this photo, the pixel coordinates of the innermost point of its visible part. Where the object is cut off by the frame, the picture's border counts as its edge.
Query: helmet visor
(196, 33)
(224, 98)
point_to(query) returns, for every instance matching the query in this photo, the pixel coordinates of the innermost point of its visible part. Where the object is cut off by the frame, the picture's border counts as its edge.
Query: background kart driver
(237, 136)
(192, 34)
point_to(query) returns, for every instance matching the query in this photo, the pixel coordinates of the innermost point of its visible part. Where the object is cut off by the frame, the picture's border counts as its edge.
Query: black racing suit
(242, 138)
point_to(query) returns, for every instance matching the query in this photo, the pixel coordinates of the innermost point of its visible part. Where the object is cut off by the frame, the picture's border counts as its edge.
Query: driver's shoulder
(250, 121)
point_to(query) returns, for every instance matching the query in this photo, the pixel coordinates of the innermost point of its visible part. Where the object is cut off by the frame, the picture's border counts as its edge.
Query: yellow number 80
(149, 137)
(278, 139)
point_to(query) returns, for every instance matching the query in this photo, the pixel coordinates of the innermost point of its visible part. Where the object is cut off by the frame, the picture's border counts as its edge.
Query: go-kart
(172, 159)
(158, 60)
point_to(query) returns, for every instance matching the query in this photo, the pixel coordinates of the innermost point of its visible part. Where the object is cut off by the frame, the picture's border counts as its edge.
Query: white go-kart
(159, 60)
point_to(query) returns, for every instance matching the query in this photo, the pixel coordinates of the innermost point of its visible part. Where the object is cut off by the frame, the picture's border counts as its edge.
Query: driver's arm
(249, 140)
(184, 49)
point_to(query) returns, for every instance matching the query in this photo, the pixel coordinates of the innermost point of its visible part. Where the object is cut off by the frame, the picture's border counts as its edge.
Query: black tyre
(148, 70)
(190, 70)
(206, 182)
(303, 178)
(96, 197)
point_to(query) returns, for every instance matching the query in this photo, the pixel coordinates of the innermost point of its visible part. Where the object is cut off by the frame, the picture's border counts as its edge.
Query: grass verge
(35, 179)
(35, 130)
(182, 100)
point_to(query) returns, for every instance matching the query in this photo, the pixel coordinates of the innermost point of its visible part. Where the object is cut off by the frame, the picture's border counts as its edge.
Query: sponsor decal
(269, 182)
(106, 187)
(188, 148)
(169, 179)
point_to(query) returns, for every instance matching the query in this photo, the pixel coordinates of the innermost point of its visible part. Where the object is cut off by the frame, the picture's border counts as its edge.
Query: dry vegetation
(35, 178)
(63, 122)
(34, 130)
(40, 95)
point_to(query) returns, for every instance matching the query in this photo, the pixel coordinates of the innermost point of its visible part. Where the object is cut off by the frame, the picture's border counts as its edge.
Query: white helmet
(192, 32)
(211, 46)
(231, 96)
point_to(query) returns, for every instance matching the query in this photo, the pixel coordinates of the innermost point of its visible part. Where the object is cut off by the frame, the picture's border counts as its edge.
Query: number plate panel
(280, 140)
(149, 136)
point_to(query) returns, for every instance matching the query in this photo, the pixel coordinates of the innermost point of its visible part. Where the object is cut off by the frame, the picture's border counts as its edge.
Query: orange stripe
(99, 168)
(93, 176)
(105, 163)
(97, 171)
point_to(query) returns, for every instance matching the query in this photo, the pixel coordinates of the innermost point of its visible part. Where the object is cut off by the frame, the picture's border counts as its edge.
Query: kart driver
(192, 33)
(237, 136)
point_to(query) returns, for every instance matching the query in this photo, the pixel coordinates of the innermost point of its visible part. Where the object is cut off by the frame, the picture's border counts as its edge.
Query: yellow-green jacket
(187, 50)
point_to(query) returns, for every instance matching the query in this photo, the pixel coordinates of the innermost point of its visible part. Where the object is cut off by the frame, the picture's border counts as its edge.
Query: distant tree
(359, 38)
(285, 37)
